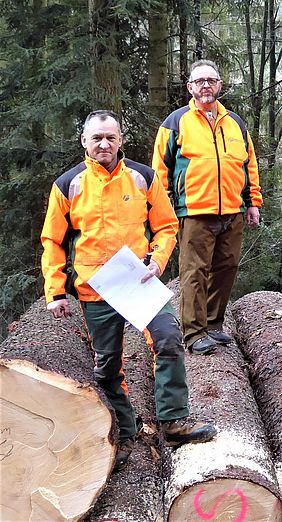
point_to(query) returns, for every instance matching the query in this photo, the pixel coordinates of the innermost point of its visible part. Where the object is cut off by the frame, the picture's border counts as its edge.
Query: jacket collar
(221, 111)
(95, 166)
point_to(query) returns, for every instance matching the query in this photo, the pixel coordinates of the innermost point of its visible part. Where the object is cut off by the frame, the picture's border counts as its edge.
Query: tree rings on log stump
(56, 446)
(58, 431)
(226, 500)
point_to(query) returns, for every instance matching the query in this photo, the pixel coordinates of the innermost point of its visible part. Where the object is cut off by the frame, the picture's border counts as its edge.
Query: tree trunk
(58, 436)
(272, 86)
(104, 62)
(157, 62)
(198, 54)
(247, 5)
(258, 329)
(231, 477)
(183, 7)
(259, 95)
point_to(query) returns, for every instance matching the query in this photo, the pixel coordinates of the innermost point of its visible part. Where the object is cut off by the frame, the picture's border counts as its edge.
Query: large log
(58, 434)
(258, 330)
(232, 477)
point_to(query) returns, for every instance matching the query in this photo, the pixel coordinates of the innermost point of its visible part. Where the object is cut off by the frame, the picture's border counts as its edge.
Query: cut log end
(226, 500)
(57, 444)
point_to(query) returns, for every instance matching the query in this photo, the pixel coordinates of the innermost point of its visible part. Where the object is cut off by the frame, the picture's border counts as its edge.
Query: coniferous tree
(66, 58)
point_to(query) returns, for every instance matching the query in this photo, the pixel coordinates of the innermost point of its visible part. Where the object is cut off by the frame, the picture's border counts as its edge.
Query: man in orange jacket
(103, 203)
(205, 158)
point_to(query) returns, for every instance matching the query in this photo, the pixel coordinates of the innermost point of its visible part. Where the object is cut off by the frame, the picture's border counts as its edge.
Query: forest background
(62, 59)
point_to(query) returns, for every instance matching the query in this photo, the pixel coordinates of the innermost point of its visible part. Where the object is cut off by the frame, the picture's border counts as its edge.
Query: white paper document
(119, 283)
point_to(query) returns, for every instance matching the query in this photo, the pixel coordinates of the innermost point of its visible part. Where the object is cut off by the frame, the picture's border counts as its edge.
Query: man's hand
(59, 308)
(252, 216)
(154, 270)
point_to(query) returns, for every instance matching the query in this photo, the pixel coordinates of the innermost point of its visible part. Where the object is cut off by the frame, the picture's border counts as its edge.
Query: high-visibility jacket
(100, 212)
(206, 169)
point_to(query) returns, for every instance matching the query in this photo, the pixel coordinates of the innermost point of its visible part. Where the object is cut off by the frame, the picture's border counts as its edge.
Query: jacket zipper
(218, 174)
(223, 139)
(218, 166)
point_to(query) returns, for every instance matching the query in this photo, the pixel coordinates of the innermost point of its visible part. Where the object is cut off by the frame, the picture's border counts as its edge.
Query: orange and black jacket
(206, 169)
(97, 213)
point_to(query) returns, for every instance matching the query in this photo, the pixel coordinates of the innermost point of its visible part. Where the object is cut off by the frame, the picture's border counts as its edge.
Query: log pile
(258, 330)
(231, 478)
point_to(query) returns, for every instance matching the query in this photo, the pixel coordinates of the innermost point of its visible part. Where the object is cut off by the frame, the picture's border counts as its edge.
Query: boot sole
(223, 342)
(210, 349)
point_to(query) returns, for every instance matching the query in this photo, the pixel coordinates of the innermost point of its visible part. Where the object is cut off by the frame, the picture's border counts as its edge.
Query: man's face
(203, 92)
(102, 140)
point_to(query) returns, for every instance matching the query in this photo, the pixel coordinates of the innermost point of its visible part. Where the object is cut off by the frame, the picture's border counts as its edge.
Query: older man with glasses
(205, 157)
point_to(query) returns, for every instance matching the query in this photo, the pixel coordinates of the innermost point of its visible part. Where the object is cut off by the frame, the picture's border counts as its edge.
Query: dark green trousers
(106, 328)
(209, 254)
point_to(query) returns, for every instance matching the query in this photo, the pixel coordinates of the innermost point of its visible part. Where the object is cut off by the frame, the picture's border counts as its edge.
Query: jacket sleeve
(163, 223)
(164, 155)
(252, 192)
(53, 238)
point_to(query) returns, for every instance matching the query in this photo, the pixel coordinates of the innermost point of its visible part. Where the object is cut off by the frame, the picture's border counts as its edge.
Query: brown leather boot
(187, 430)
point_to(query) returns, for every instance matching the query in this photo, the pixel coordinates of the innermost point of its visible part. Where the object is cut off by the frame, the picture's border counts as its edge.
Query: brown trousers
(209, 254)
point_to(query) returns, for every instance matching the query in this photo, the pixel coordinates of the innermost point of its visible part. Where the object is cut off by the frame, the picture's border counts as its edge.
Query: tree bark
(231, 477)
(104, 62)
(258, 330)
(198, 54)
(58, 435)
(183, 9)
(259, 95)
(157, 61)
(273, 143)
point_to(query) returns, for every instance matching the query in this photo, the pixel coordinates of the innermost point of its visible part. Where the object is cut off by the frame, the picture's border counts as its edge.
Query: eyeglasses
(201, 81)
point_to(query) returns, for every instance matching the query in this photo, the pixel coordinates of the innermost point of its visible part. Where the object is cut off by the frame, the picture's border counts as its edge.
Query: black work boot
(204, 345)
(123, 453)
(186, 430)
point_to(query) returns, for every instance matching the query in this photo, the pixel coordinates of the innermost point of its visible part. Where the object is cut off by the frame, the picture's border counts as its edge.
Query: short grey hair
(102, 114)
(200, 63)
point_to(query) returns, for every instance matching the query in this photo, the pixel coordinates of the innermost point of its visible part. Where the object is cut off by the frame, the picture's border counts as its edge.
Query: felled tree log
(258, 330)
(58, 435)
(232, 477)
